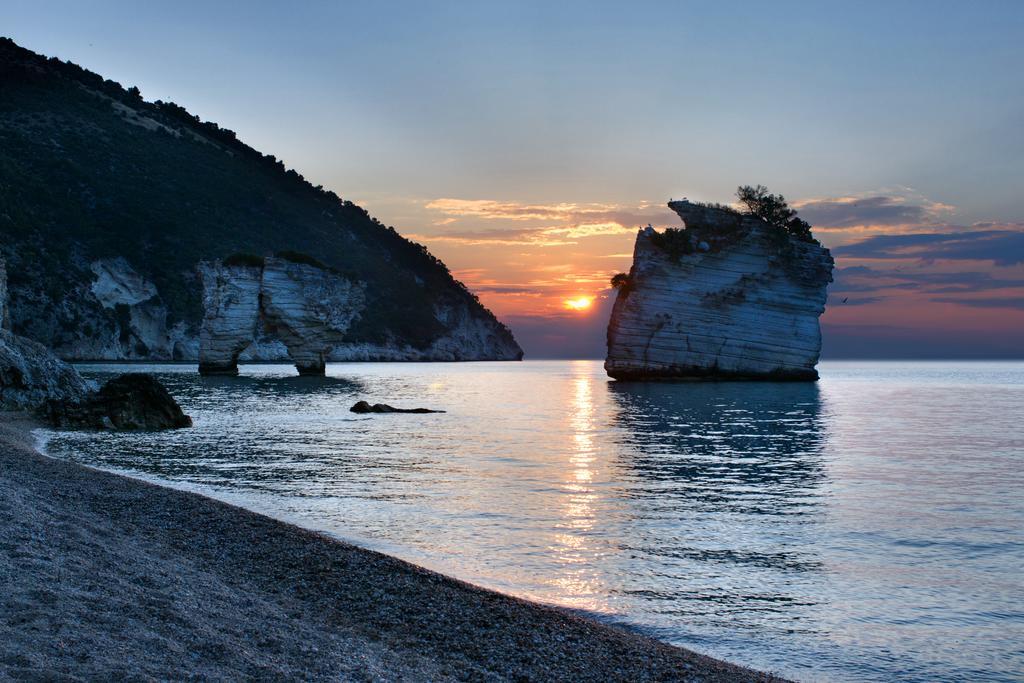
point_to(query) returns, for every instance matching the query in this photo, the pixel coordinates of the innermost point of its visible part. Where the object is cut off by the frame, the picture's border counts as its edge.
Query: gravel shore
(110, 578)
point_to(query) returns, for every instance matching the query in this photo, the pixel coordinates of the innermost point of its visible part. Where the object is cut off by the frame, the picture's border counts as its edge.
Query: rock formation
(33, 379)
(142, 330)
(129, 402)
(308, 307)
(728, 297)
(29, 374)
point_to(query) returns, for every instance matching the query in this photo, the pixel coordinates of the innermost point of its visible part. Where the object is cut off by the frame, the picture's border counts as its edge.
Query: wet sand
(106, 577)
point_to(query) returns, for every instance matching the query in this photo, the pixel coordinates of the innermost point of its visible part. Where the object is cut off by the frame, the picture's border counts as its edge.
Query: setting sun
(581, 303)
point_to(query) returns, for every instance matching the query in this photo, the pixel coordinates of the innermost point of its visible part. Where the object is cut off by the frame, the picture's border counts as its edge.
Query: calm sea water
(867, 527)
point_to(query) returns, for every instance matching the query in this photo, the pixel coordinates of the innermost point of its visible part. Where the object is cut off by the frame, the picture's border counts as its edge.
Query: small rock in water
(364, 407)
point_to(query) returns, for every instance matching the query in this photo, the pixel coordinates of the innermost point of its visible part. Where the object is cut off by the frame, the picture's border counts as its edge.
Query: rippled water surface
(868, 527)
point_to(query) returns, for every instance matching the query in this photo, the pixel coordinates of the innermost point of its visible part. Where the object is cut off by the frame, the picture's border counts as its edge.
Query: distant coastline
(114, 574)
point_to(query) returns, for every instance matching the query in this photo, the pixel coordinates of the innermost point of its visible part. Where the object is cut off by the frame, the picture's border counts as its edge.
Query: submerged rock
(132, 401)
(364, 407)
(728, 297)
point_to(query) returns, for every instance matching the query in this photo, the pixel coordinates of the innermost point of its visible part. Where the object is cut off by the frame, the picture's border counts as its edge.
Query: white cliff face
(469, 338)
(309, 309)
(117, 283)
(136, 325)
(118, 314)
(743, 304)
(231, 310)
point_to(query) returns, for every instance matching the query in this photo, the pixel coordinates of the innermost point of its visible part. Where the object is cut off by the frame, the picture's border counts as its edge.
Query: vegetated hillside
(91, 174)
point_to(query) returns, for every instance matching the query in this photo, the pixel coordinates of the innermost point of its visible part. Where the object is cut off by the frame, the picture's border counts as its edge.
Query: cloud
(1001, 247)
(566, 223)
(491, 209)
(552, 236)
(591, 230)
(897, 209)
(537, 237)
(864, 280)
(1016, 302)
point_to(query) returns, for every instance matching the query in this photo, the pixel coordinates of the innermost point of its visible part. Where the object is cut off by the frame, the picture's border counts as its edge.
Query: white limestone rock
(308, 308)
(741, 302)
(140, 329)
(117, 283)
(231, 311)
(469, 338)
(283, 310)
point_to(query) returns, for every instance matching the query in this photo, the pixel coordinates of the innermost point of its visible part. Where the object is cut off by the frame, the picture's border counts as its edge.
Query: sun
(580, 303)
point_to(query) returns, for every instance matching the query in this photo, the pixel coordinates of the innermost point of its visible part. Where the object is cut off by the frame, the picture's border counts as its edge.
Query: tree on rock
(773, 209)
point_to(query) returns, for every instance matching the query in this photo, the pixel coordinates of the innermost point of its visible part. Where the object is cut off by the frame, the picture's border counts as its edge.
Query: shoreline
(110, 576)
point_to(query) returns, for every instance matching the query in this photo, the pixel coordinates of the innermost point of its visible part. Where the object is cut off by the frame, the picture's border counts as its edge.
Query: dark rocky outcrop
(129, 402)
(30, 375)
(727, 297)
(33, 379)
(365, 407)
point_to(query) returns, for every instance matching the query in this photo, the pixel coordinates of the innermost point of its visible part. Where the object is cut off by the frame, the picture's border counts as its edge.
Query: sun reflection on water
(573, 546)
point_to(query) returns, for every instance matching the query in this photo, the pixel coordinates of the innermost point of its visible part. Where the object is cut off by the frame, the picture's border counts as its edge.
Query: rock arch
(308, 307)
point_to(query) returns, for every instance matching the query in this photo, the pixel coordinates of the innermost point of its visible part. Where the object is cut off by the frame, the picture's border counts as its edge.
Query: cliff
(108, 203)
(728, 296)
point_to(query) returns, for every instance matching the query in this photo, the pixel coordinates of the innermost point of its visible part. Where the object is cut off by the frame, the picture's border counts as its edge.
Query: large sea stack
(728, 296)
(110, 203)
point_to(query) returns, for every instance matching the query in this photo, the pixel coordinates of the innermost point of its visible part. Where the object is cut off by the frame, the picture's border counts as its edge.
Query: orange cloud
(491, 209)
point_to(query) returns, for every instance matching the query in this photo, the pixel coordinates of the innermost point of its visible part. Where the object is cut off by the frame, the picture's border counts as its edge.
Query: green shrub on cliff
(302, 259)
(675, 242)
(774, 210)
(244, 260)
(623, 282)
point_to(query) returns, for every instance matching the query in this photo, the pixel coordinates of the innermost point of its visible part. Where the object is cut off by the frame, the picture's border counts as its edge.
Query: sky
(525, 143)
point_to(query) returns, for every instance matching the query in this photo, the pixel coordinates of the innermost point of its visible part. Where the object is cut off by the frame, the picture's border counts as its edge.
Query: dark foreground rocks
(364, 407)
(132, 401)
(30, 375)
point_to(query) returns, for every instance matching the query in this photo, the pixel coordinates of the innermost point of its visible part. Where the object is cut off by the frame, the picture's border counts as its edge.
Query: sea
(867, 527)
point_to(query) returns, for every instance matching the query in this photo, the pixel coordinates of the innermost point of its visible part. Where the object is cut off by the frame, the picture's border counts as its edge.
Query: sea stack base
(693, 374)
